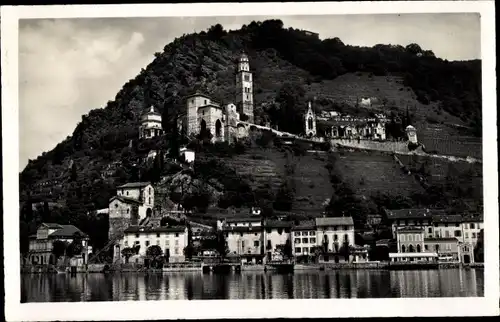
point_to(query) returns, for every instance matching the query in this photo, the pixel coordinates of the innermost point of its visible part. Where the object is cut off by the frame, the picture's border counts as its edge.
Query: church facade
(230, 122)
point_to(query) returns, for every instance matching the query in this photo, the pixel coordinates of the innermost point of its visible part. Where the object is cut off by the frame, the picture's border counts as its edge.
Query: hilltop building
(358, 128)
(310, 121)
(150, 124)
(244, 89)
(411, 132)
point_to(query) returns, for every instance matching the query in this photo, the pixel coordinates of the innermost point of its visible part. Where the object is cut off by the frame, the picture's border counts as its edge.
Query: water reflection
(252, 285)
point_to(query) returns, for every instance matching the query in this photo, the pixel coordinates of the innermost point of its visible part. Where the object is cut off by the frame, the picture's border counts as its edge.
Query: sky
(68, 67)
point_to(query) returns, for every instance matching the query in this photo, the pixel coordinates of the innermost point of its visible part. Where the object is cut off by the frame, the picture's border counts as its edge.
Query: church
(230, 122)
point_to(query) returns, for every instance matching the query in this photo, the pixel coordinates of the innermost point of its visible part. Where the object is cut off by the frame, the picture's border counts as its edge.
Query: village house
(448, 249)
(333, 233)
(41, 244)
(244, 237)
(421, 218)
(411, 246)
(172, 241)
(304, 241)
(465, 228)
(276, 235)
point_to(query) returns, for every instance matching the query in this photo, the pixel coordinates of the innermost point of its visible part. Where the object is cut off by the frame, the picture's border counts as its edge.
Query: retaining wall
(388, 146)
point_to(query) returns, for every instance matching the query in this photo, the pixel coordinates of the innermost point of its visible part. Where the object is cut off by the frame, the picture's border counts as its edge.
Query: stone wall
(388, 146)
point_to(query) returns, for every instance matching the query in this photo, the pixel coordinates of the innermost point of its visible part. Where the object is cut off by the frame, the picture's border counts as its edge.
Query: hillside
(289, 67)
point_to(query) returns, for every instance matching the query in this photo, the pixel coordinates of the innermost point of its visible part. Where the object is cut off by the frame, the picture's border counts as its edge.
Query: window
(298, 250)
(297, 241)
(466, 235)
(176, 242)
(158, 235)
(406, 222)
(149, 200)
(312, 233)
(402, 238)
(457, 225)
(256, 243)
(429, 230)
(247, 78)
(158, 242)
(205, 102)
(436, 247)
(305, 240)
(335, 228)
(304, 233)
(126, 243)
(147, 243)
(287, 230)
(335, 237)
(167, 244)
(311, 250)
(446, 225)
(127, 193)
(176, 234)
(136, 235)
(426, 247)
(346, 228)
(255, 234)
(297, 233)
(447, 234)
(137, 242)
(417, 237)
(473, 235)
(280, 231)
(128, 210)
(312, 240)
(410, 237)
(471, 226)
(268, 230)
(458, 233)
(176, 251)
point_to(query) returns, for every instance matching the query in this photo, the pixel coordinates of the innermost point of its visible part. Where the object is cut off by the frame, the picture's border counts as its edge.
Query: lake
(252, 285)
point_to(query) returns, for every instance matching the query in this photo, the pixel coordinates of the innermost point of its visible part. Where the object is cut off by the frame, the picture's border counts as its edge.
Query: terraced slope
(436, 129)
(369, 173)
(469, 176)
(312, 184)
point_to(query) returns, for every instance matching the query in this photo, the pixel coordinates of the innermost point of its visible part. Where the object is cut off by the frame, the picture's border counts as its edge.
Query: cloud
(65, 72)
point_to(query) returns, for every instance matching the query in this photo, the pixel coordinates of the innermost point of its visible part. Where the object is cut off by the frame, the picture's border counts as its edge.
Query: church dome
(151, 115)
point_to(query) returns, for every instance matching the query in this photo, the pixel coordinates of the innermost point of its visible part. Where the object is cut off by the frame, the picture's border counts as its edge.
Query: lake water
(253, 285)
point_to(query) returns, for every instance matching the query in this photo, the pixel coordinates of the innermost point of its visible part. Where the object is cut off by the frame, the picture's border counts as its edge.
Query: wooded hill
(104, 150)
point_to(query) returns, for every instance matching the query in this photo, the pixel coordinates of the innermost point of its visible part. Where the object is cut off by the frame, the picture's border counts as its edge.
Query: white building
(276, 235)
(411, 132)
(304, 240)
(150, 124)
(310, 121)
(335, 232)
(187, 154)
(171, 240)
(141, 191)
(244, 237)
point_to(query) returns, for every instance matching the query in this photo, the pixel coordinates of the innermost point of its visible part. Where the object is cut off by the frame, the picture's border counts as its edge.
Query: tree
(345, 250)
(154, 252)
(189, 251)
(75, 247)
(59, 249)
(74, 173)
(479, 248)
(128, 252)
(291, 100)
(221, 244)
(287, 249)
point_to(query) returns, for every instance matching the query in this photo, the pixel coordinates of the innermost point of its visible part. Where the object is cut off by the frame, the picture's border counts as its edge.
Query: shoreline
(189, 268)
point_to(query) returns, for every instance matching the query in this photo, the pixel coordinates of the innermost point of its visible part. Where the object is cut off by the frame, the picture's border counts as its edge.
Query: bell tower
(244, 88)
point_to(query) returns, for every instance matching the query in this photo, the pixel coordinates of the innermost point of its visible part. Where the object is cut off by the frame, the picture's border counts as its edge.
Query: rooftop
(447, 219)
(134, 185)
(305, 225)
(197, 93)
(67, 231)
(409, 213)
(334, 221)
(446, 239)
(126, 200)
(242, 229)
(243, 220)
(278, 224)
(150, 111)
(146, 230)
(50, 226)
(410, 229)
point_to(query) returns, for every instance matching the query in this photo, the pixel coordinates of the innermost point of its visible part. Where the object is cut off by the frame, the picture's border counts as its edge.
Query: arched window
(418, 248)
(310, 123)
(411, 249)
(203, 126)
(403, 249)
(218, 127)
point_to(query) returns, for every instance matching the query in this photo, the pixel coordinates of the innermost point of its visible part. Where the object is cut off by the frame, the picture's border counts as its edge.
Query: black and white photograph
(196, 154)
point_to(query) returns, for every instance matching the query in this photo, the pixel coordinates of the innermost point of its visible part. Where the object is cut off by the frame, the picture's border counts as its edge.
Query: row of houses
(434, 235)
(255, 240)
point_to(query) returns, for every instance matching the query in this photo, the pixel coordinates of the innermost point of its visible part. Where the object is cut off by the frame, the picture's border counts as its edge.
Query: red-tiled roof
(446, 239)
(409, 213)
(305, 225)
(243, 229)
(447, 219)
(410, 229)
(278, 224)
